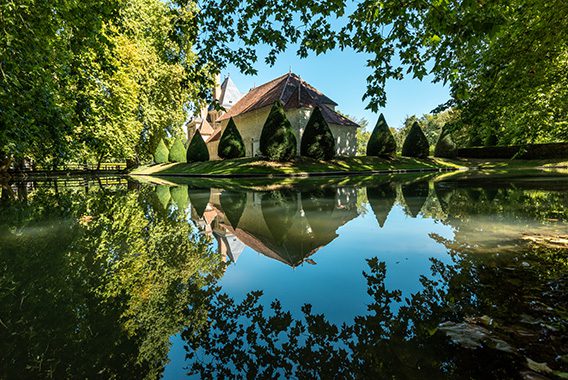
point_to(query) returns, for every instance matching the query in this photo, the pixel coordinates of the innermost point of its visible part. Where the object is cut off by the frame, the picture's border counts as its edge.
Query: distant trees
(277, 141)
(197, 149)
(317, 140)
(161, 153)
(177, 151)
(231, 144)
(381, 142)
(416, 143)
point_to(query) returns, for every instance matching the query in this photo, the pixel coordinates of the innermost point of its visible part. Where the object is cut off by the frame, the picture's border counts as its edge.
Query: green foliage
(277, 141)
(177, 151)
(503, 61)
(231, 144)
(445, 146)
(317, 140)
(180, 197)
(161, 153)
(197, 149)
(382, 142)
(106, 85)
(416, 143)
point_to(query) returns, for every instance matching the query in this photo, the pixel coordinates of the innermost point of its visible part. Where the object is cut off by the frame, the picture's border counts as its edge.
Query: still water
(432, 276)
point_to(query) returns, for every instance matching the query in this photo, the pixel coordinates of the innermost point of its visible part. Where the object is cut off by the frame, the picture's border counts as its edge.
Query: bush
(416, 143)
(317, 141)
(177, 151)
(161, 153)
(197, 149)
(382, 142)
(445, 147)
(277, 141)
(231, 144)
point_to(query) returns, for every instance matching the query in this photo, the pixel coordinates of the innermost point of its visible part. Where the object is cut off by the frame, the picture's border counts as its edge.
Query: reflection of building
(284, 225)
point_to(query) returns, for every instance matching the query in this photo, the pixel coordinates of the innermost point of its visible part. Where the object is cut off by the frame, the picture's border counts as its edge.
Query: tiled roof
(293, 92)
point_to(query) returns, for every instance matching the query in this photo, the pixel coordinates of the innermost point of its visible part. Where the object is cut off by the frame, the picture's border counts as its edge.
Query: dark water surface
(451, 276)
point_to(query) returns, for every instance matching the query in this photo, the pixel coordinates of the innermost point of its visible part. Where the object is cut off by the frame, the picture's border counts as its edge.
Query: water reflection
(97, 277)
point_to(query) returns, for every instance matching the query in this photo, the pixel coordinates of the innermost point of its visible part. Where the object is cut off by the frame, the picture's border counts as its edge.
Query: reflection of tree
(381, 198)
(93, 285)
(444, 331)
(233, 204)
(180, 197)
(415, 195)
(199, 199)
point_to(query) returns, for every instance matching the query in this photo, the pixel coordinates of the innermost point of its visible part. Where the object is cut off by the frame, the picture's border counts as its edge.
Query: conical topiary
(317, 141)
(231, 144)
(382, 142)
(197, 149)
(161, 153)
(277, 141)
(416, 143)
(177, 151)
(445, 147)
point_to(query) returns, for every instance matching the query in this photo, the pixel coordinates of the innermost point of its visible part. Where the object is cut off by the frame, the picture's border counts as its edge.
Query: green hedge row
(526, 152)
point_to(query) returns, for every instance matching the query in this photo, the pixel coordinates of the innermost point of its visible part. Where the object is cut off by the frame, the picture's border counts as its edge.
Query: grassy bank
(300, 166)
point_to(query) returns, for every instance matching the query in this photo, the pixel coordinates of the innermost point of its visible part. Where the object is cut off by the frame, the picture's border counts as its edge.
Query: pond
(454, 275)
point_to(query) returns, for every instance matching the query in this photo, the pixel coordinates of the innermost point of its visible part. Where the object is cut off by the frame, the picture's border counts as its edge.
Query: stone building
(251, 111)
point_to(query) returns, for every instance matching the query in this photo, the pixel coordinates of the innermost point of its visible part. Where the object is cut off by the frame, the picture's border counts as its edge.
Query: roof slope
(293, 92)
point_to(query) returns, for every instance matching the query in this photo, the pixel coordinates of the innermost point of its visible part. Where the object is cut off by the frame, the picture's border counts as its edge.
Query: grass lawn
(299, 166)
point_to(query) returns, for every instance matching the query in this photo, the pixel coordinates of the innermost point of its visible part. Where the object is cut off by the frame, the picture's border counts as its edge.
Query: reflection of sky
(335, 286)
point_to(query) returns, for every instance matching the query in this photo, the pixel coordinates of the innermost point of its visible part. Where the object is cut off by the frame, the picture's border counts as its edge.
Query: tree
(502, 60)
(177, 151)
(317, 140)
(231, 144)
(382, 142)
(415, 144)
(277, 141)
(197, 149)
(161, 153)
(445, 147)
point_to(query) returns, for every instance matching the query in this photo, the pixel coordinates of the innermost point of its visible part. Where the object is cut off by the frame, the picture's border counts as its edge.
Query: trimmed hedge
(416, 143)
(197, 149)
(317, 140)
(161, 153)
(277, 141)
(527, 152)
(382, 142)
(231, 144)
(177, 151)
(445, 147)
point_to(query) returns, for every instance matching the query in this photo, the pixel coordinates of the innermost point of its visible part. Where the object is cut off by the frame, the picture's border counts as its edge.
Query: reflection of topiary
(197, 149)
(317, 141)
(163, 194)
(416, 143)
(382, 142)
(231, 144)
(161, 153)
(180, 197)
(445, 147)
(177, 151)
(277, 141)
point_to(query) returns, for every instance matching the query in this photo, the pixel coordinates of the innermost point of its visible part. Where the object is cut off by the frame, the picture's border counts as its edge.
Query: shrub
(231, 144)
(317, 141)
(161, 153)
(177, 151)
(382, 142)
(416, 143)
(277, 141)
(445, 147)
(197, 149)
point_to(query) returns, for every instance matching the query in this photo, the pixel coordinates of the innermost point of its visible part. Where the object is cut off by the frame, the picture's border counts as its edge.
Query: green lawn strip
(256, 166)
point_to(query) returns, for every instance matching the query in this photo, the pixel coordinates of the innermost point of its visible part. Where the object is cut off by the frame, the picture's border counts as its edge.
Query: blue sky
(341, 75)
